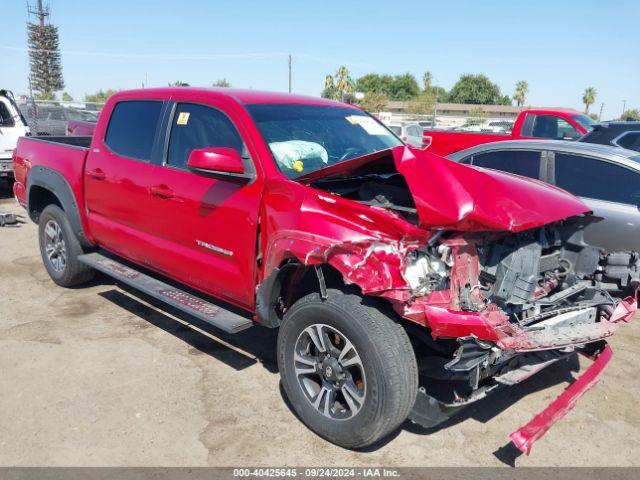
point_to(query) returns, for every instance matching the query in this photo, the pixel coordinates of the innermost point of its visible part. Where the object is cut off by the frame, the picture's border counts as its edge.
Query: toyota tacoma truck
(404, 285)
(552, 124)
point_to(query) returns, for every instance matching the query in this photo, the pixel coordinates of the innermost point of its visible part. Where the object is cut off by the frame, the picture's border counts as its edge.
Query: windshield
(586, 122)
(306, 138)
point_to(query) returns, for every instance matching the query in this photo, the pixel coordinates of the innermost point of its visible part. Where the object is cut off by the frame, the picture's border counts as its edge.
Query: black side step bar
(207, 312)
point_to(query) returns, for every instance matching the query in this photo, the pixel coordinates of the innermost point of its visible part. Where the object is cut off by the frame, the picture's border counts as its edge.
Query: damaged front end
(490, 271)
(512, 305)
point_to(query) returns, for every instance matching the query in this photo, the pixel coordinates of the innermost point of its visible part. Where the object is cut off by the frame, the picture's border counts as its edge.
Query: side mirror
(220, 162)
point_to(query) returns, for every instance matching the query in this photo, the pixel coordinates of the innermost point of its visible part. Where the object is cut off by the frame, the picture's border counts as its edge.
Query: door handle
(162, 191)
(97, 174)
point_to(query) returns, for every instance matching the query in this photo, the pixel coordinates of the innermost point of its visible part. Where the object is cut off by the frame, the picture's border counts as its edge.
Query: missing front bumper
(528, 434)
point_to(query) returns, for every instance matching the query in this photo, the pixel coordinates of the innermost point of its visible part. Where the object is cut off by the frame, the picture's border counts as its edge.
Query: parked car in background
(605, 177)
(618, 134)
(409, 132)
(553, 124)
(80, 128)
(52, 119)
(12, 126)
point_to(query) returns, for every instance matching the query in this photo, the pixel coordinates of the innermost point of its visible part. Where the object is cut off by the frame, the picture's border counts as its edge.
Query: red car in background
(553, 124)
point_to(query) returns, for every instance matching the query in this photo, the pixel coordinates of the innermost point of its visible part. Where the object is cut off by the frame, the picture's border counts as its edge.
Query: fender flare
(55, 182)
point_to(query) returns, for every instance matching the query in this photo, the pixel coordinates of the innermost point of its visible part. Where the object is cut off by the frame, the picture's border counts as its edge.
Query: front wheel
(347, 368)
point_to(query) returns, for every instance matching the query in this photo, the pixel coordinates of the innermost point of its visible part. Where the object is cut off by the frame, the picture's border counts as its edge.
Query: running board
(207, 312)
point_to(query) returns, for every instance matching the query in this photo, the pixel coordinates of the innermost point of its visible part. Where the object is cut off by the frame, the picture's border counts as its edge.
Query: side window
(630, 140)
(198, 126)
(520, 162)
(6, 120)
(550, 126)
(132, 128)
(597, 179)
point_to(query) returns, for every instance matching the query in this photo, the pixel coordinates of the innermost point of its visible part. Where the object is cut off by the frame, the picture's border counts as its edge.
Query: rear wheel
(60, 249)
(348, 369)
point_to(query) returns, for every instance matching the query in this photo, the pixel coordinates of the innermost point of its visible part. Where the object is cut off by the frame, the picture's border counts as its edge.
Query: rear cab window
(132, 128)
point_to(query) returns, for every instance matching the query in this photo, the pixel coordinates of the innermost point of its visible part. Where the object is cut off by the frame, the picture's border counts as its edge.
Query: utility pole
(41, 12)
(289, 73)
(601, 108)
(624, 108)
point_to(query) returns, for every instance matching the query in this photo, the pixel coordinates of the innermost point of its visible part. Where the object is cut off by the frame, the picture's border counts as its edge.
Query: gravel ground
(100, 376)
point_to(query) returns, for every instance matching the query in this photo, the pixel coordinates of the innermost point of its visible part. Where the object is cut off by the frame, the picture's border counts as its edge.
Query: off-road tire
(73, 273)
(387, 357)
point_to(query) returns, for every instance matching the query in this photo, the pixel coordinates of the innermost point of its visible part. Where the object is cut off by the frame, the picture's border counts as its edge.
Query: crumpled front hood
(458, 197)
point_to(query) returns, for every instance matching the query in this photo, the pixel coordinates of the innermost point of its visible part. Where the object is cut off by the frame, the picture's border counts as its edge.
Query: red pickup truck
(555, 124)
(403, 285)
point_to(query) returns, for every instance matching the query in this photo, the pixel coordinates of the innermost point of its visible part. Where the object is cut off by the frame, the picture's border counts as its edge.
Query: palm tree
(329, 88)
(344, 82)
(520, 95)
(427, 78)
(588, 98)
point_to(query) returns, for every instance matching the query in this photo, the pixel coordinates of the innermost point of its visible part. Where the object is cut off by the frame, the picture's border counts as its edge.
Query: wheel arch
(46, 186)
(290, 281)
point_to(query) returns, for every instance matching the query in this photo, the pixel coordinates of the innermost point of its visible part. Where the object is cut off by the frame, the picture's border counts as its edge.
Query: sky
(559, 47)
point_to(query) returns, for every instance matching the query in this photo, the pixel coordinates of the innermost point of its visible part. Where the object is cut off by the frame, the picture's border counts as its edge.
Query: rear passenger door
(206, 227)
(611, 191)
(119, 172)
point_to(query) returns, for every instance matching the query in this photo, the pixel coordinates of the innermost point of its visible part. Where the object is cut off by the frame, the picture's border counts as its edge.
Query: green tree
(373, 82)
(440, 94)
(44, 59)
(630, 114)
(422, 104)
(588, 98)
(66, 97)
(404, 87)
(222, 83)
(177, 83)
(476, 89)
(521, 92)
(99, 96)
(374, 102)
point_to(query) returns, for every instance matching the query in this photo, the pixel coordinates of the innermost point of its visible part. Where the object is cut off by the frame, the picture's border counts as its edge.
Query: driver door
(206, 227)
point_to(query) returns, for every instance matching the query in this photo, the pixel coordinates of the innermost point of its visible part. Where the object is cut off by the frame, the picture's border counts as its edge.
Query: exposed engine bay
(500, 306)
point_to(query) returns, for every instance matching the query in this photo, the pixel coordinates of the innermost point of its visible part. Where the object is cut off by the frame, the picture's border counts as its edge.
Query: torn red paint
(528, 434)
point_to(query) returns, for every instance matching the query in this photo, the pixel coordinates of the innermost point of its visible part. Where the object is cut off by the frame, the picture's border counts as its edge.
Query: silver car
(606, 178)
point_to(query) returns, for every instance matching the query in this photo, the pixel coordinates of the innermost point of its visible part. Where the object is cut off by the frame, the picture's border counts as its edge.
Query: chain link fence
(51, 118)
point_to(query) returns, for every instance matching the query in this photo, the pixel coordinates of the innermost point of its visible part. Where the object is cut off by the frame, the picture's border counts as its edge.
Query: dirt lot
(100, 376)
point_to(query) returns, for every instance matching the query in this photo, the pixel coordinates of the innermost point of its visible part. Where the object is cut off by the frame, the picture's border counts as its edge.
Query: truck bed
(64, 155)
